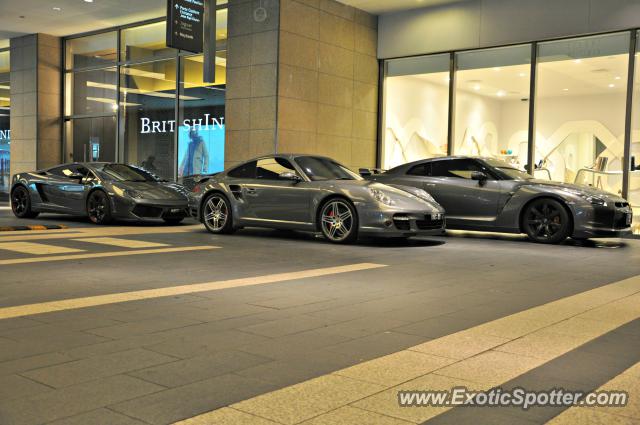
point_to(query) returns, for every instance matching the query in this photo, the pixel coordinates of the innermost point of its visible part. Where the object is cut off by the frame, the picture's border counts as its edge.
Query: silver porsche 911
(491, 195)
(102, 191)
(312, 193)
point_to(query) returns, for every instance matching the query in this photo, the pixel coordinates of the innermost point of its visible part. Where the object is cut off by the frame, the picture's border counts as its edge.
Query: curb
(34, 227)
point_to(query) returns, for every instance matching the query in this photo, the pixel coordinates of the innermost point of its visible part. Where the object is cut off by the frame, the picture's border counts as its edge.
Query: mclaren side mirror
(288, 175)
(479, 176)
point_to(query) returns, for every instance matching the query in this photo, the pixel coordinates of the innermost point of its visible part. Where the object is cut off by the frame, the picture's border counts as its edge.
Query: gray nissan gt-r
(312, 193)
(102, 191)
(490, 195)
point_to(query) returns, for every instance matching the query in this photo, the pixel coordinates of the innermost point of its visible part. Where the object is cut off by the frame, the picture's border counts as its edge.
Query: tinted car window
(245, 171)
(318, 168)
(68, 170)
(419, 170)
(125, 173)
(271, 168)
(458, 168)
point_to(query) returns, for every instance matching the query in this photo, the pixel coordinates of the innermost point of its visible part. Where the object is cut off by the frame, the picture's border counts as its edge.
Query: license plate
(437, 216)
(629, 218)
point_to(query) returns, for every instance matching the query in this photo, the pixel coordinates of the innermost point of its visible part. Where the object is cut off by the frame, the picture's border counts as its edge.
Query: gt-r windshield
(126, 173)
(506, 171)
(317, 168)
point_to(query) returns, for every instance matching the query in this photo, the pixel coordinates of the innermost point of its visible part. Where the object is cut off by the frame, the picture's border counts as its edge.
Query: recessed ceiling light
(565, 89)
(611, 86)
(497, 68)
(88, 1)
(617, 78)
(501, 93)
(522, 74)
(476, 87)
(57, 9)
(575, 61)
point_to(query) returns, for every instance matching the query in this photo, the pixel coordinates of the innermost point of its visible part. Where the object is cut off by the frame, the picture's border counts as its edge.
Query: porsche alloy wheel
(339, 222)
(546, 221)
(217, 214)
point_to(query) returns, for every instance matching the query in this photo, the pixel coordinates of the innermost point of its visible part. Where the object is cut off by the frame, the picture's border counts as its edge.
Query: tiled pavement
(164, 359)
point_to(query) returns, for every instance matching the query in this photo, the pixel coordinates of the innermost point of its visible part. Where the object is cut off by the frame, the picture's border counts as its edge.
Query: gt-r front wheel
(21, 203)
(99, 208)
(216, 214)
(546, 221)
(339, 221)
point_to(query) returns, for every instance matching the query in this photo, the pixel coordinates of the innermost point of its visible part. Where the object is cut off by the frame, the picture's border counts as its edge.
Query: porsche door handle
(251, 192)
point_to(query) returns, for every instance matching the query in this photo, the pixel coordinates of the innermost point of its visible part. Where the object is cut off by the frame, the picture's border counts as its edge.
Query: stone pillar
(328, 81)
(252, 57)
(36, 112)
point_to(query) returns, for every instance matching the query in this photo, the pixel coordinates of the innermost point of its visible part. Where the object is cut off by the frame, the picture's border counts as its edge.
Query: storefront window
(580, 110)
(416, 109)
(94, 92)
(492, 103)
(94, 139)
(5, 133)
(92, 51)
(201, 131)
(147, 42)
(147, 108)
(634, 173)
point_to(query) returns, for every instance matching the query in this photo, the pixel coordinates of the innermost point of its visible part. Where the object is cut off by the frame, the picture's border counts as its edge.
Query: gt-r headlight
(423, 194)
(381, 197)
(133, 194)
(593, 200)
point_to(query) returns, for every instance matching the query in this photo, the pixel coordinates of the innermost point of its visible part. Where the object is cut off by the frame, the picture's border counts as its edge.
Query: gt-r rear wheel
(216, 214)
(546, 221)
(339, 221)
(21, 203)
(99, 208)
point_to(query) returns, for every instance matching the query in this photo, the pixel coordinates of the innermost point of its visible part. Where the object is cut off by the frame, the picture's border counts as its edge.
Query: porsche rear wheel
(216, 214)
(21, 203)
(339, 221)
(546, 221)
(99, 208)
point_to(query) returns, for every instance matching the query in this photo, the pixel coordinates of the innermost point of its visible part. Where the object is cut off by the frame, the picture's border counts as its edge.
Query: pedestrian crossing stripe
(123, 243)
(36, 248)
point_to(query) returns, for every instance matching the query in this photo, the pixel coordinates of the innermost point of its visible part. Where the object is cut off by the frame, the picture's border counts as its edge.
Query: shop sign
(185, 25)
(206, 123)
(5, 134)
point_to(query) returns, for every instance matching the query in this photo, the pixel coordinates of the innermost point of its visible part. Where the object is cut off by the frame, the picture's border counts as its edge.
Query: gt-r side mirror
(288, 175)
(479, 176)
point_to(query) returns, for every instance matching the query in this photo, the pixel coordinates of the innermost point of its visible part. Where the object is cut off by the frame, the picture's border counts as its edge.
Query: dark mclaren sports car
(101, 191)
(490, 195)
(312, 193)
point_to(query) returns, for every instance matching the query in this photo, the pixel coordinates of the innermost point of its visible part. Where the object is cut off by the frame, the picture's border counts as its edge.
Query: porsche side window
(271, 168)
(419, 170)
(245, 171)
(458, 168)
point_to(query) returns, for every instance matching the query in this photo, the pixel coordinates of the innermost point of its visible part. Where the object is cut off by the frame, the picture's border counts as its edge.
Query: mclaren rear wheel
(339, 221)
(21, 203)
(546, 221)
(99, 208)
(217, 215)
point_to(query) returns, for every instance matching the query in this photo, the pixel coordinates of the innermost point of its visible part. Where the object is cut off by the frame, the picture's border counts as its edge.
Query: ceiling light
(565, 89)
(501, 93)
(575, 61)
(617, 78)
(88, 1)
(522, 74)
(497, 68)
(57, 9)
(476, 87)
(611, 86)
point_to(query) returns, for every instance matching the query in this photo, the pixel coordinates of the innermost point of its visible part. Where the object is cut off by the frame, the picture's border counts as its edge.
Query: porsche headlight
(133, 194)
(423, 194)
(381, 197)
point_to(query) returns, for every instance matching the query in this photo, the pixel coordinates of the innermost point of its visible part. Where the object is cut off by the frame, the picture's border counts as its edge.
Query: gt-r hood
(156, 190)
(569, 187)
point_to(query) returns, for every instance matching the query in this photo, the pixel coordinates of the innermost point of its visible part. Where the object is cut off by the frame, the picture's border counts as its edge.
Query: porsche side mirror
(288, 175)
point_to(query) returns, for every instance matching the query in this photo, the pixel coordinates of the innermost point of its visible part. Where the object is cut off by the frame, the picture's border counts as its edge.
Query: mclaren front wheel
(21, 203)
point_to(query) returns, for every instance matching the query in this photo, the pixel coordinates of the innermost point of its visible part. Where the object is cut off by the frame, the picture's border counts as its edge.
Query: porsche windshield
(126, 173)
(506, 171)
(317, 168)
